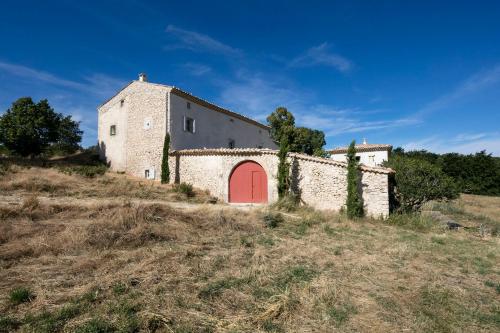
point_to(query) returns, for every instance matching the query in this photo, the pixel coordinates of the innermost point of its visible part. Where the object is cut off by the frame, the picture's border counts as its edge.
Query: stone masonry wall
(322, 182)
(134, 148)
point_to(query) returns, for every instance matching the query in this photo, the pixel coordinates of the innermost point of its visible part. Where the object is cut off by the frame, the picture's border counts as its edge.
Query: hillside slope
(112, 254)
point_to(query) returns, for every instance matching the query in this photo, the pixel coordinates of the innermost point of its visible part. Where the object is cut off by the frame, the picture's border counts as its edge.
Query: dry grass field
(113, 254)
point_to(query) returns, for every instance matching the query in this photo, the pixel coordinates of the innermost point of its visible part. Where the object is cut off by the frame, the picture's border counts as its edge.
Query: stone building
(132, 126)
(366, 153)
(218, 150)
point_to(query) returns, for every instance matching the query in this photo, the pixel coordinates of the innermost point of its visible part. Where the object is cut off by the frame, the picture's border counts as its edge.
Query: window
(122, 102)
(112, 130)
(358, 158)
(149, 173)
(371, 158)
(148, 123)
(231, 120)
(189, 125)
(259, 146)
(188, 105)
(231, 144)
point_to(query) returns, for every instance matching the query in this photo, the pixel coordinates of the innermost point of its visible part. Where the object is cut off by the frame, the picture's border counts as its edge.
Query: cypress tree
(165, 172)
(354, 203)
(284, 166)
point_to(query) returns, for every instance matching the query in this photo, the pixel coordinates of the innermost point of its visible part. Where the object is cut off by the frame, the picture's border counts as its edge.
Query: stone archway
(248, 183)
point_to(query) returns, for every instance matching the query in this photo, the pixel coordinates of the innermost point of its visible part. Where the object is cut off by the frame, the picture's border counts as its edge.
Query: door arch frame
(231, 174)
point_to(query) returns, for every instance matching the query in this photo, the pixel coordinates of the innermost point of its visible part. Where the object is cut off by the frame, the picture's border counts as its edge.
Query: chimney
(364, 141)
(143, 77)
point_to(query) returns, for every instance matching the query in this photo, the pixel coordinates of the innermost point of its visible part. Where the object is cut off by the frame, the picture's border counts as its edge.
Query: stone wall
(322, 182)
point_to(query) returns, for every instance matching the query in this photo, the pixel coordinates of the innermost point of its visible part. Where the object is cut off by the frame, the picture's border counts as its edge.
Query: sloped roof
(197, 100)
(362, 148)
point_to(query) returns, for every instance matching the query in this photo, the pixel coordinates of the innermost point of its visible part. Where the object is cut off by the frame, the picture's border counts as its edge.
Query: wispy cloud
(321, 55)
(258, 95)
(100, 85)
(195, 41)
(30, 73)
(473, 84)
(464, 143)
(196, 69)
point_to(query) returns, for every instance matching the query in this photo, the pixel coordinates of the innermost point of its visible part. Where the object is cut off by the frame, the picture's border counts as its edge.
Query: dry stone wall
(322, 183)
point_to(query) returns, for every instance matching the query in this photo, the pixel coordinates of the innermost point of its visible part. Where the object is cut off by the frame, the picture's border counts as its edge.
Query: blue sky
(422, 75)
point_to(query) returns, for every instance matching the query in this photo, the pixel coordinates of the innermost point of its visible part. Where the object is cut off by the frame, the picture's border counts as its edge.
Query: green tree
(417, 182)
(308, 141)
(165, 171)
(29, 128)
(281, 119)
(300, 139)
(284, 166)
(354, 202)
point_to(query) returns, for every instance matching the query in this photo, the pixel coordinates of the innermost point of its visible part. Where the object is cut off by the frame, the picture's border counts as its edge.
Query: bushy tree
(300, 139)
(165, 171)
(29, 128)
(477, 173)
(281, 119)
(354, 202)
(308, 141)
(417, 182)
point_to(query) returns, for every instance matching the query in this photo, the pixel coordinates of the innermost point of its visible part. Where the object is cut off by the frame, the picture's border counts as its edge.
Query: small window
(148, 123)
(149, 173)
(122, 102)
(260, 147)
(371, 158)
(231, 120)
(231, 144)
(112, 130)
(358, 158)
(189, 125)
(188, 105)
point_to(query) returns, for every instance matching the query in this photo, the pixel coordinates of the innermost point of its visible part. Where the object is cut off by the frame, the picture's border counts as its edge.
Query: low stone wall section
(321, 182)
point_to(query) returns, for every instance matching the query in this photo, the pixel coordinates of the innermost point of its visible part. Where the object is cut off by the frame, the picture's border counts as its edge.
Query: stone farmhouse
(366, 153)
(218, 150)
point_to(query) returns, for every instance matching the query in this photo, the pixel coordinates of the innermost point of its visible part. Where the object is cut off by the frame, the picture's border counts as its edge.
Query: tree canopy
(28, 128)
(477, 173)
(300, 139)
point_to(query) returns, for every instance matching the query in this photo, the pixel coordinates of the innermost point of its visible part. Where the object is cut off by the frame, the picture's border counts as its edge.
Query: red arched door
(248, 183)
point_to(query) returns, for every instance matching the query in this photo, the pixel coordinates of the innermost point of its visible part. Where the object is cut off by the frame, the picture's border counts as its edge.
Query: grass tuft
(21, 295)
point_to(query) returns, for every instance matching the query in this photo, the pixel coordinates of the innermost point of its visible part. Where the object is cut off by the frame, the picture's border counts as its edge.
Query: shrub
(354, 203)
(89, 171)
(4, 168)
(21, 295)
(288, 203)
(272, 220)
(184, 188)
(417, 182)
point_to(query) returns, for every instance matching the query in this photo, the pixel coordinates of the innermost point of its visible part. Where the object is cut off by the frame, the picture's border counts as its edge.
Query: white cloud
(321, 55)
(100, 85)
(30, 73)
(195, 41)
(469, 143)
(473, 84)
(196, 69)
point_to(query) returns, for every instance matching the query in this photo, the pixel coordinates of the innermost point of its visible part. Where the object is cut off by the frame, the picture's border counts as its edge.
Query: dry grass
(116, 264)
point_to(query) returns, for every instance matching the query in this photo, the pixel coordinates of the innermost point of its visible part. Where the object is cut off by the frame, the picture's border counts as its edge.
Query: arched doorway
(248, 183)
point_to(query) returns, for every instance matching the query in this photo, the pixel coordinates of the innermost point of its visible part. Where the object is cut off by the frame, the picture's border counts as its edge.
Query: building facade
(367, 154)
(132, 126)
